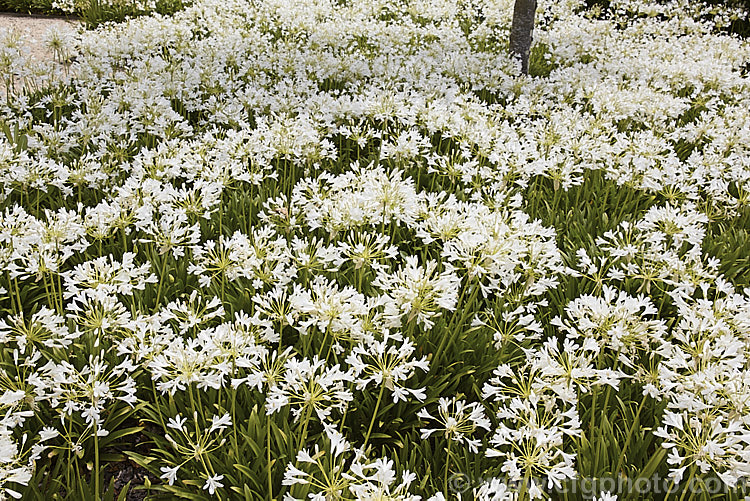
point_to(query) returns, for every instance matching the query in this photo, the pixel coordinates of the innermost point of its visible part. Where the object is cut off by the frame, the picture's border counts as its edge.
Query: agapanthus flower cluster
(338, 470)
(457, 420)
(387, 363)
(310, 388)
(192, 441)
(704, 379)
(617, 323)
(416, 293)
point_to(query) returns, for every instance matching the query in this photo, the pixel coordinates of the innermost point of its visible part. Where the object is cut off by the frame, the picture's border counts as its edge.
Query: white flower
(48, 433)
(329, 308)
(169, 474)
(220, 422)
(213, 483)
(606, 496)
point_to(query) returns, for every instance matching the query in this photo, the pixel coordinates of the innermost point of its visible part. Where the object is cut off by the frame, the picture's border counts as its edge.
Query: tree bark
(521, 31)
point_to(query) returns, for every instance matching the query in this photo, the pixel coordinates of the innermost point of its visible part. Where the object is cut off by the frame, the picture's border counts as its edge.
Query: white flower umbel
(387, 366)
(364, 196)
(193, 441)
(193, 312)
(703, 442)
(16, 469)
(310, 388)
(335, 312)
(457, 421)
(328, 465)
(105, 275)
(337, 471)
(705, 380)
(418, 292)
(44, 329)
(622, 325)
(536, 420)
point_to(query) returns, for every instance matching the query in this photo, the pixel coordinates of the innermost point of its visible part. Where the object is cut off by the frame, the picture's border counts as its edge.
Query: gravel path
(36, 32)
(35, 28)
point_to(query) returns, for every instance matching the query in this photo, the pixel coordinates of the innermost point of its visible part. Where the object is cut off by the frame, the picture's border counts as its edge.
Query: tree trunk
(521, 31)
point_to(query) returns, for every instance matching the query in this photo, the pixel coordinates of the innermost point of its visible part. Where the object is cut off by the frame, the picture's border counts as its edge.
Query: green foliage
(541, 61)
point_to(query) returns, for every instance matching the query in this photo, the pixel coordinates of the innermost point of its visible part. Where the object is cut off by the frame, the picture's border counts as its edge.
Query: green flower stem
(592, 427)
(689, 481)
(96, 461)
(447, 467)
(193, 408)
(669, 491)
(156, 404)
(305, 423)
(322, 345)
(162, 272)
(522, 494)
(343, 419)
(374, 414)
(268, 460)
(605, 407)
(59, 295)
(18, 295)
(14, 293)
(234, 416)
(48, 294)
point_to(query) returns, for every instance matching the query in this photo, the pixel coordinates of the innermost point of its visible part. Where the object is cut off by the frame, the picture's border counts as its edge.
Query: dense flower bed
(309, 249)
